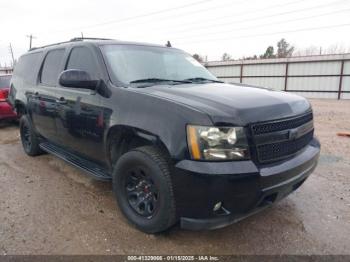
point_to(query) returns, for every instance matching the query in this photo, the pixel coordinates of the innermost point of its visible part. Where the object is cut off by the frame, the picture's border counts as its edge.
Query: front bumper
(242, 187)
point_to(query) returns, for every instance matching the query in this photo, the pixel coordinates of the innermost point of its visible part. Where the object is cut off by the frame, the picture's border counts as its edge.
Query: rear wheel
(143, 188)
(30, 141)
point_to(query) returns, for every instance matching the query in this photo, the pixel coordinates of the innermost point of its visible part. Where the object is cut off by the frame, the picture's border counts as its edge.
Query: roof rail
(89, 38)
(72, 40)
(34, 48)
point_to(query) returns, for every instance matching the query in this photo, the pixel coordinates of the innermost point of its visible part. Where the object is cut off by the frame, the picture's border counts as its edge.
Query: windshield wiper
(158, 80)
(202, 79)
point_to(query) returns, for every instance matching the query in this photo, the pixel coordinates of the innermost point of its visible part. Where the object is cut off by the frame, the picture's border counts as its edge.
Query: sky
(208, 27)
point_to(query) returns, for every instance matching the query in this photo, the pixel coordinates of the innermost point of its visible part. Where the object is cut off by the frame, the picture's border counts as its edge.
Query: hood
(232, 104)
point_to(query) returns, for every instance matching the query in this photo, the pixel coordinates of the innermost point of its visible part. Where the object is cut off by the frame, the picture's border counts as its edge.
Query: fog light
(217, 206)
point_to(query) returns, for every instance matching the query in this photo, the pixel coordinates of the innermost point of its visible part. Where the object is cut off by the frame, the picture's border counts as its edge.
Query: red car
(6, 111)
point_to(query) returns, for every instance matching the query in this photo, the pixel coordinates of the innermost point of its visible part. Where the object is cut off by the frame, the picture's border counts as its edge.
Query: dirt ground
(50, 207)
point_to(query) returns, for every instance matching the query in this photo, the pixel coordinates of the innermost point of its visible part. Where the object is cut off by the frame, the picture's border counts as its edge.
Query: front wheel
(143, 188)
(30, 141)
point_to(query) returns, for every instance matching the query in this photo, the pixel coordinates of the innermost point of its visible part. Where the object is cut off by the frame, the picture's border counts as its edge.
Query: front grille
(263, 128)
(273, 140)
(280, 150)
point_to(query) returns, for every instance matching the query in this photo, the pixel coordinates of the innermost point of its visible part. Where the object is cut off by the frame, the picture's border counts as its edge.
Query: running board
(91, 168)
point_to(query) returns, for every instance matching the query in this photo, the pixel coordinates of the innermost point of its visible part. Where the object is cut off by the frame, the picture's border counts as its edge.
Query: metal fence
(324, 76)
(6, 70)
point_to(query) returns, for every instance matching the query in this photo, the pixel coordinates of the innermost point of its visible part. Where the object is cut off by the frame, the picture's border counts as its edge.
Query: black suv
(177, 144)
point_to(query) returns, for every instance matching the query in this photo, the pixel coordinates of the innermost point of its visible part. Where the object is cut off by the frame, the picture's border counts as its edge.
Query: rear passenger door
(80, 117)
(42, 101)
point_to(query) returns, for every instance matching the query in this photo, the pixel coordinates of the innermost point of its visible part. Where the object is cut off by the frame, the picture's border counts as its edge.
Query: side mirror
(77, 79)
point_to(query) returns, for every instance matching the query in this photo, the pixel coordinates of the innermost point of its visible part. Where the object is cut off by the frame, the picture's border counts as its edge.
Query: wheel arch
(121, 139)
(21, 108)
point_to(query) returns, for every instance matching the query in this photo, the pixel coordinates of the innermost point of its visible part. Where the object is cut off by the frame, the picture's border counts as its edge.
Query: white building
(322, 76)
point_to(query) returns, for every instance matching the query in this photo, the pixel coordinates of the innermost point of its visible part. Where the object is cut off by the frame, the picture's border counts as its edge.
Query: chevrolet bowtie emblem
(293, 134)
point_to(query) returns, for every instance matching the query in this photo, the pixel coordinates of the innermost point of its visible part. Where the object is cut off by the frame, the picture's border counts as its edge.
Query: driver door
(80, 122)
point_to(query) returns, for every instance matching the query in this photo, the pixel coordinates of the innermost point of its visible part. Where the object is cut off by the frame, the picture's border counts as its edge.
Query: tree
(284, 49)
(269, 53)
(315, 50)
(198, 57)
(254, 57)
(311, 50)
(226, 57)
(335, 49)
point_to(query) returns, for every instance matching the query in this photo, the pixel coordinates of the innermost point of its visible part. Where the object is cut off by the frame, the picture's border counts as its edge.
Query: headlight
(217, 143)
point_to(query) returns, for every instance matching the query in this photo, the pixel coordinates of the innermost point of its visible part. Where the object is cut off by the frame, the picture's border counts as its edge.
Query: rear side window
(81, 58)
(52, 67)
(5, 81)
(27, 67)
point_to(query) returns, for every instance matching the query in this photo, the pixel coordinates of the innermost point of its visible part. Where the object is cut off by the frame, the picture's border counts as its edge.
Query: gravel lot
(49, 207)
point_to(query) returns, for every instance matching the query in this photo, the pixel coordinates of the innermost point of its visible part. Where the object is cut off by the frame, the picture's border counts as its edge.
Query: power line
(268, 24)
(219, 18)
(235, 14)
(31, 37)
(260, 17)
(238, 21)
(191, 13)
(140, 16)
(272, 33)
(12, 56)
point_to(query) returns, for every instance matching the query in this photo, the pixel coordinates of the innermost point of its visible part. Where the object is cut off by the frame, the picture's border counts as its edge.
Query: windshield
(132, 63)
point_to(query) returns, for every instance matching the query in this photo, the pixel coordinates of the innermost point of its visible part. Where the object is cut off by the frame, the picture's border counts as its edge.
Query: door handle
(61, 101)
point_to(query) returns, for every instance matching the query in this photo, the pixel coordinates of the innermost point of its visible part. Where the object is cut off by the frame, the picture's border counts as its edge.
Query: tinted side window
(81, 58)
(52, 67)
(27, 67)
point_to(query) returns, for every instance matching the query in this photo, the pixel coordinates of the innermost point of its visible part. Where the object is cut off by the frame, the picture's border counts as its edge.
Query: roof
(97, 41)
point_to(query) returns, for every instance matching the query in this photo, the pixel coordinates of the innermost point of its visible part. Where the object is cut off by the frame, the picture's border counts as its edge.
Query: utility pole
(13, 58)
(31, 37)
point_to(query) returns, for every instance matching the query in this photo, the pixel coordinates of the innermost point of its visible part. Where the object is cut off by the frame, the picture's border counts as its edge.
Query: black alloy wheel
(141, 192)
(143, 189)
(30, 141)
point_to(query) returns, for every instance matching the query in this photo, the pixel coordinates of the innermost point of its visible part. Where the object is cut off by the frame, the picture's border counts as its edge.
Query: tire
(30, 141)
(157, 213)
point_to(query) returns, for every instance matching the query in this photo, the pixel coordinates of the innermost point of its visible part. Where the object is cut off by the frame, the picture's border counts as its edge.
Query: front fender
(153, 116)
